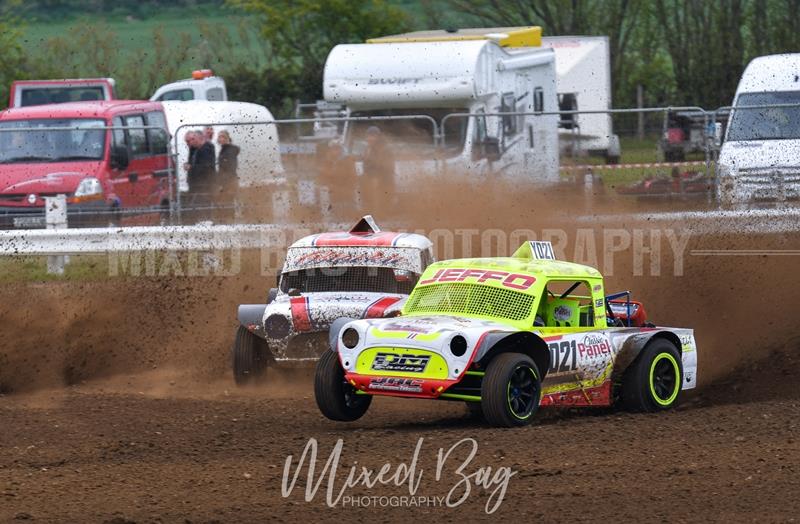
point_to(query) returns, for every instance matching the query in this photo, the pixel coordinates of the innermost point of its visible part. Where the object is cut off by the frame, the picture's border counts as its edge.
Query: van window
(119, 137)
(177, 94)
(157, 138)
(767, 123)
(215, 94)
(136, 135)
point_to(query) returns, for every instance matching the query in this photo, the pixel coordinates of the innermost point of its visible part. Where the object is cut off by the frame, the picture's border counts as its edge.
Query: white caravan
(583, 72)
(422, 77)
(760, 158)
(259, 153)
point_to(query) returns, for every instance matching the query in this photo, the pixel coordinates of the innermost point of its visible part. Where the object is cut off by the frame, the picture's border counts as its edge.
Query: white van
(202, 86)
(760, 158)
(430, 74)
(259, 161)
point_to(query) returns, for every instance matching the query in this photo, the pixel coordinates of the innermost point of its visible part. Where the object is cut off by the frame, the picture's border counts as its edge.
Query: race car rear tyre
(249, 357)
(337, 399)
(511, 390)
(653, 381)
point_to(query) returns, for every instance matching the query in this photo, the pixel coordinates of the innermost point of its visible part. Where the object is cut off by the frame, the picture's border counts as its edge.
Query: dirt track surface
(97, 453)
(116, 405)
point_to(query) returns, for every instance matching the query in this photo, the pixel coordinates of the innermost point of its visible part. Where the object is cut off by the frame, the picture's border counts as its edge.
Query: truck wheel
(337, 399)
(653, 381)
(511, 390)
(249, 357)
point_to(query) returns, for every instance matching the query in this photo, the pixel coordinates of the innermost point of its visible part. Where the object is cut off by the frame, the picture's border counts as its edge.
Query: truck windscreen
(768, 123)
(21, 141)
(37, 96)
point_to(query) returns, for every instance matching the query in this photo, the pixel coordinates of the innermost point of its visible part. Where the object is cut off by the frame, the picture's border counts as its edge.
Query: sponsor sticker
(404, 385)
(517, 281)
(407, 363)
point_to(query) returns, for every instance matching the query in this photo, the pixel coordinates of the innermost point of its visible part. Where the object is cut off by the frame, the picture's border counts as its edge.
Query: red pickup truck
(70, 148)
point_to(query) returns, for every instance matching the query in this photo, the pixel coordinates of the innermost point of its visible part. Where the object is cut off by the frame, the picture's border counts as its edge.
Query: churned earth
(117, 405)
(150, 449)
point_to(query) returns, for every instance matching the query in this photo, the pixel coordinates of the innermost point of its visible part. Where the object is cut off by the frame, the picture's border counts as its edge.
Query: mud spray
(179, 330)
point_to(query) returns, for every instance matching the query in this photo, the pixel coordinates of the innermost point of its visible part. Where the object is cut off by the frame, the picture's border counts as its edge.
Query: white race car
(361, 273)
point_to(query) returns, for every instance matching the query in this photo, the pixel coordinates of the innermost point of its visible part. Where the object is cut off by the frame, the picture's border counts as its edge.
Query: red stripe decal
(382, 239)
(300, 317)
(377, 308)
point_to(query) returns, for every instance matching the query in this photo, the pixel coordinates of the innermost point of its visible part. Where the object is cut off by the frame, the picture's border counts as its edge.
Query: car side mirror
(490, 148)
(294, 292)
(272, 295)
(119, 157)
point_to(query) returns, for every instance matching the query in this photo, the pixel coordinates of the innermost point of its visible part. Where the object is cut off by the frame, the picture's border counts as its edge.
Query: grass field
(135, 36)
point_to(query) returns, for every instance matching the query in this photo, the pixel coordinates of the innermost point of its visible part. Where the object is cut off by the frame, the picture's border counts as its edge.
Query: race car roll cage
(614, 298)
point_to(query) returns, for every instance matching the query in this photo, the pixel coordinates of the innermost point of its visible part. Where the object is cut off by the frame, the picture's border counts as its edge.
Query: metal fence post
(56, 218)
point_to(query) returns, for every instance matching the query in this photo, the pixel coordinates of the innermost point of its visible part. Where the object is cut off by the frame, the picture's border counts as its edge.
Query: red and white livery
(361, 273)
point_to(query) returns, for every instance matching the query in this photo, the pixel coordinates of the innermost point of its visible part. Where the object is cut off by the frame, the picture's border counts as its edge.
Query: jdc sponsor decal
(594, 346)
(405, 363)
(403, 385)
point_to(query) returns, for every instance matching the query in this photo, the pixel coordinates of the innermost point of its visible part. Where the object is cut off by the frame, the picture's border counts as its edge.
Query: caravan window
(567, 102)
(480, 126)
(538, 100)
(510, 122)
(411, 136)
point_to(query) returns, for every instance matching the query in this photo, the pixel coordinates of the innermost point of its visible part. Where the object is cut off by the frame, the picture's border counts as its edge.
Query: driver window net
(470, 299)
(348, 279)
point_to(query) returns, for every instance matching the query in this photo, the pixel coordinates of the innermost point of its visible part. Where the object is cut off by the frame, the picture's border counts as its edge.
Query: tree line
(678, 52)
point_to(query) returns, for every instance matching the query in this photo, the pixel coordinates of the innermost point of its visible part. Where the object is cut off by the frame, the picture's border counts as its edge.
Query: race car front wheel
(653, 380)
(511, 390)
(249, 357)
(336, 398)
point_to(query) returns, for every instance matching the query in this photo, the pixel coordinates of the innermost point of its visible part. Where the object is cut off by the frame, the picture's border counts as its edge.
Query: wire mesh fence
(338, 164)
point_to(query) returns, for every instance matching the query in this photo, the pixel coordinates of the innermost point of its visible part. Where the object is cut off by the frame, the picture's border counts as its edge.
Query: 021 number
(563, 356)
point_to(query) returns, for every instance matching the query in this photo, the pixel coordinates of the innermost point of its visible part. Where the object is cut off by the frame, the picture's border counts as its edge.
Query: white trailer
(583, 71)
(259, 153)
(427, 75)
